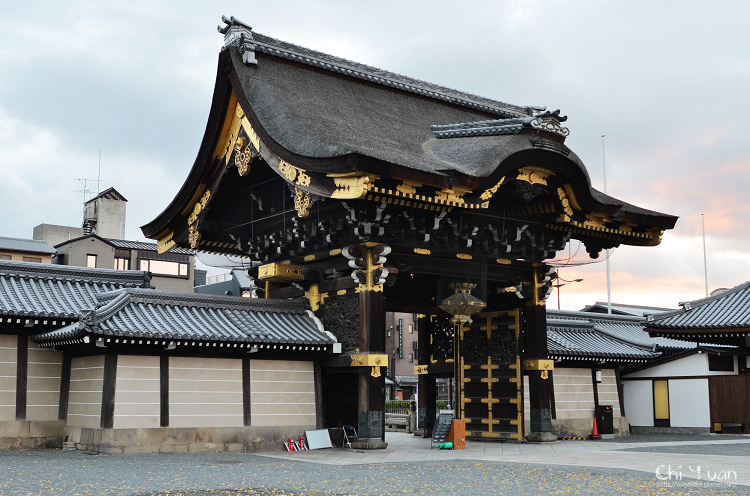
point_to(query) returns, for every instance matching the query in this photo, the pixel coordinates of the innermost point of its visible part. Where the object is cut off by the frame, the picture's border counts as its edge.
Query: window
(122, 264)
(165, 268)
(32, 259)
(5, 256)
(721, 363)
(122, 259)
(90, 260)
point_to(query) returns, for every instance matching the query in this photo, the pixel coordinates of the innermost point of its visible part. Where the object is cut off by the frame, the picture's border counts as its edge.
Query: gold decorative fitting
(565, 202)
(489, 193)
(422, 251)
(198, 207)
(534, 175)
(254, 139)
(451, 195)
(544, 366)
(194, 237)
(294, 174)
(165, 243)
(420, 369)
(369, 360)
(351, 187)
(302, 203)
(289, 171)
(463, 256)
(280, 272)
(407, 188)
(243, 156)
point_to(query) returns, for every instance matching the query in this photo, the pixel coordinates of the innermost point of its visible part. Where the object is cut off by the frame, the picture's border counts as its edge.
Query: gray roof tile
(607, 337)
(136, 313)
(725, 310)
(47, 290)
(27, 245)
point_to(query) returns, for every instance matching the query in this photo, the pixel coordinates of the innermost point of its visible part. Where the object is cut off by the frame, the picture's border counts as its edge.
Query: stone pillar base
(541, 437)
(369, 443)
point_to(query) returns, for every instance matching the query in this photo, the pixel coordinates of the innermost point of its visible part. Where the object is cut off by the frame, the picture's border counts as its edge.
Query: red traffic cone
(595, 431)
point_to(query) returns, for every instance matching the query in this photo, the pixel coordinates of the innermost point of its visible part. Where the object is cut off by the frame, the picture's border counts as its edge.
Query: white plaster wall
(688, 403)
(205, 392)
(574, 393)
(607, 390)
(282, 392)
(8, 368)
(85, 398)
(43, 388)
(638, 397)
(137, 392)
(690, 365)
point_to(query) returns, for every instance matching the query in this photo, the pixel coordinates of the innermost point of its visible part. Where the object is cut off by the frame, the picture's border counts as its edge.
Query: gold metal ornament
(243, 156)
(302, 203)
(194, 237)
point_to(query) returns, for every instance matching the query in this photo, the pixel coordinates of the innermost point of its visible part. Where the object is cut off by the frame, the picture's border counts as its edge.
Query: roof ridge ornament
(543, 120)
(237, 33)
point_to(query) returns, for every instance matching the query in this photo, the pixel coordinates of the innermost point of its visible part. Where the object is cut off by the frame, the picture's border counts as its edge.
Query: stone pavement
(683, 458)
(684, 465)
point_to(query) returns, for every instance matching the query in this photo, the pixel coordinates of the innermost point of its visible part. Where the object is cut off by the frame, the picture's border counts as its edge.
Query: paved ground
(636, 465)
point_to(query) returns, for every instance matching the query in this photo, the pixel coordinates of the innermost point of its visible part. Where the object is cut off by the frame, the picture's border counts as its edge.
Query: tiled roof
(26, 245)
(126, 245)
(581, 335)
(110, 194)
(623, 309)
(131, 314)
(142, 246)
(727, 310)
(59, 291)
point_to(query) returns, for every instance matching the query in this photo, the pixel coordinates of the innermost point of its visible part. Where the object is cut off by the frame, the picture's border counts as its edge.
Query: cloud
(665, 84)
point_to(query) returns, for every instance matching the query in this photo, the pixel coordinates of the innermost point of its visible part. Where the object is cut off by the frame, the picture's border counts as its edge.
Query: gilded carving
(243, 156)
(534, 175)
(198, 207)
(406, 188)
(454, 195)
(294, 174)
(302, 203)
(565, 202)
(351, 187)
(489, 193)
(194, 237)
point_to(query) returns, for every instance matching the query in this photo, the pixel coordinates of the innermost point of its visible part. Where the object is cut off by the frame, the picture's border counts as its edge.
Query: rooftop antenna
(99, 174)
(604, 169)
(705, 263)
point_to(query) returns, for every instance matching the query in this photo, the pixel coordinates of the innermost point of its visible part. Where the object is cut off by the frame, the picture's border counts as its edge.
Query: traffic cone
(595, 431)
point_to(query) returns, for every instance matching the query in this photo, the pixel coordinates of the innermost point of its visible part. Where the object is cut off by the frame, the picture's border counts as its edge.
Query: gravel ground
(54, 472)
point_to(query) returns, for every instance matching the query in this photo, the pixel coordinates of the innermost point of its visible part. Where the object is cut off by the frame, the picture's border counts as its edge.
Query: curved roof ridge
(725, 309)
(240, 34)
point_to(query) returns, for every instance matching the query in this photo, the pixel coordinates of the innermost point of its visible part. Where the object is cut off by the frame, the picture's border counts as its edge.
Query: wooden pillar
(371, 340)
(540, 412)
(22, 380)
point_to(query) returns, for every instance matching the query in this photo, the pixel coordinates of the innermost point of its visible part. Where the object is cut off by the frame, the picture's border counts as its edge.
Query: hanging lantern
(461, 305)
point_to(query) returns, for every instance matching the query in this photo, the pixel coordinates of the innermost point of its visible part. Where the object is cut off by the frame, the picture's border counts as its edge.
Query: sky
(117, 94)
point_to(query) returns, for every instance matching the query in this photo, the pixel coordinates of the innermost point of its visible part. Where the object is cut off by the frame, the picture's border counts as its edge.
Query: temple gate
(365, 191)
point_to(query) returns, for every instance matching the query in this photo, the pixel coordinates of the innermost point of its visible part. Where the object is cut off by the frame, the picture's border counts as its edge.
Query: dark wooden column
(371, 404)
(372, 340)
(22, 379)
(540, 421)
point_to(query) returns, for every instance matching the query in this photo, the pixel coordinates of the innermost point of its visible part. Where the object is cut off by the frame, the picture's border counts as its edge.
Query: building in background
(26, 250)
(173, 271)
(99, 243)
